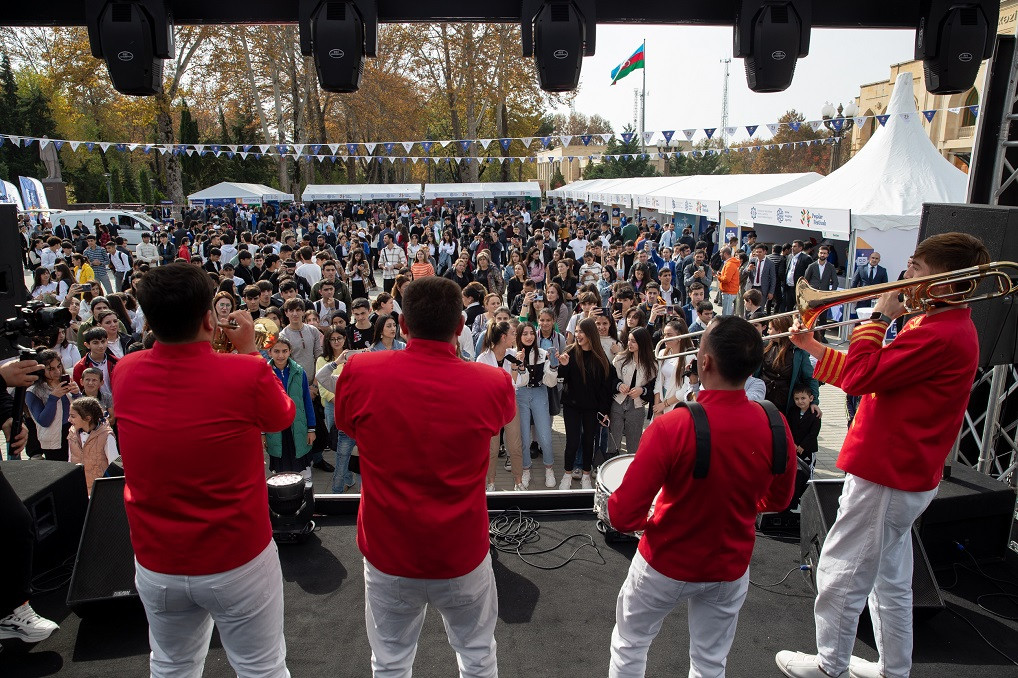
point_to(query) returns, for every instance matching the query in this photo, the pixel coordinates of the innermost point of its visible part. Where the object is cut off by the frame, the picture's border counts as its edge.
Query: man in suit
(821, 276)
(62, 230)
(781, 270)
(798, 262)
(762, 275)
(871, 274)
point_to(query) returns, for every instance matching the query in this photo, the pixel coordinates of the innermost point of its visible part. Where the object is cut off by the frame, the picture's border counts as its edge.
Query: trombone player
(893, 456)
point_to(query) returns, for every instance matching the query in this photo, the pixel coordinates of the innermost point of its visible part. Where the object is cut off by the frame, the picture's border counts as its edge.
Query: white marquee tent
(359, 192)
(227, 192)
(494, 189)
(875, 200)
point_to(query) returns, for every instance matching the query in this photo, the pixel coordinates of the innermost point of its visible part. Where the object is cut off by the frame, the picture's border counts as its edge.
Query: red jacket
(190, 424)
(703, 530)
(915, 391)
(86, 362)
(423, 511)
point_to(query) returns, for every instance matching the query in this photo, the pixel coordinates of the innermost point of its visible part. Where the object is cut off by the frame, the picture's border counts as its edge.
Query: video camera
(33, 320)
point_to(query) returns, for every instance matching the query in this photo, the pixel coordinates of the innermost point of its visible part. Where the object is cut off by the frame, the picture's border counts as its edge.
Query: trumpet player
(893, 456)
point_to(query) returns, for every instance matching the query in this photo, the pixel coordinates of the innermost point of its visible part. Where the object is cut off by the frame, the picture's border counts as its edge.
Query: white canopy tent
(229, 192)
(361, 192)
(875, 200)
(491, 189)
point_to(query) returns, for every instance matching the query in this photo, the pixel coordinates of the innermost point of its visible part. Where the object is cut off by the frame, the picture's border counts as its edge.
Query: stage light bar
(770, 36)
(134, 37)
(558, 34)
(339, 34)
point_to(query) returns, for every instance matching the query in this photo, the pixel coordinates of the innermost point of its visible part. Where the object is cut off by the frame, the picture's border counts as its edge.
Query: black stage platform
(551, 623)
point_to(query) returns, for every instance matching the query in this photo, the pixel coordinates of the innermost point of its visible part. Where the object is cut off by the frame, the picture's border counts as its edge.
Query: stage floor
(551, 623)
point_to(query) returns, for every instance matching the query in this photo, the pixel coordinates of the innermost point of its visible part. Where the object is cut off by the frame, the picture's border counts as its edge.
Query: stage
(551, 623)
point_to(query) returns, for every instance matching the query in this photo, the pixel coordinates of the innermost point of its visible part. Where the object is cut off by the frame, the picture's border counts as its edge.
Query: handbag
(554, 400)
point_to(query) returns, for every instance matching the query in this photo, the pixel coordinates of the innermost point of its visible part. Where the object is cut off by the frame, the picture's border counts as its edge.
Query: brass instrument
(266, 333)
(920, 295)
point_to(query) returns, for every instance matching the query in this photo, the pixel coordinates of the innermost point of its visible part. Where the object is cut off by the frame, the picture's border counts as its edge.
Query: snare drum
(609, 478)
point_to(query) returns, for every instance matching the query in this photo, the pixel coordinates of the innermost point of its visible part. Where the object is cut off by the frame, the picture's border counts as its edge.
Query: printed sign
(832, 223)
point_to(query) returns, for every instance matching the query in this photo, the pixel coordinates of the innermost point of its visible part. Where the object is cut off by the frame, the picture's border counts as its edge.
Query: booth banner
(33, 195)
(9, 195)
(703, 208)
(831, 223)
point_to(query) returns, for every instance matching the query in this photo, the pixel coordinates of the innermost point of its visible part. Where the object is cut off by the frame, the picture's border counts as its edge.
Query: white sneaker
(24, 624)
(518, 487)
(490, 487)
(577, 473)
(549, 477)
(860, 668)
(801, 665)
(585, 482)
(526, 479)
(567, 482)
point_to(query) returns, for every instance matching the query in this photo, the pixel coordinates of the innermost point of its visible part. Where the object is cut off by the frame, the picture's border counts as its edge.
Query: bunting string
(387, 150)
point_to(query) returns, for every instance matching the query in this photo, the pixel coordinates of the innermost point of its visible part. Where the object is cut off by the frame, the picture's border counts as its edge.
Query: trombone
(920, 295)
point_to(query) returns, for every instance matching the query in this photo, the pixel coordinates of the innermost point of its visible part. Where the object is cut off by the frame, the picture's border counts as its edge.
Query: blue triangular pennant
(795, 125)
(215, 147)
(90, 145)
(315, 148)
(667, 134)
(585, 138)
(837, 123)
(545, 141)
(710, 131)
(882, 119)
(427, 146)
(929, 115)
(974, 110)
(465, 145)
(751, 129)
(389, 145)
(504, 143)
(627, 137)
(58, 145)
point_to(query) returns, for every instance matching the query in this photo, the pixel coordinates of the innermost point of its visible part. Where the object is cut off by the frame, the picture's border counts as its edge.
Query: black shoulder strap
(701, 429)
(779, 451)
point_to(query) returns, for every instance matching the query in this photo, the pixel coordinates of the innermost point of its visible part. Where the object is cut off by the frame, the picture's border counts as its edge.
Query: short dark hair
(736, 346)
(802, 388)
(288, 285)
(432, 308)
(361, 302)
(93, 334)
(175, 299)
(949, 251)
(291, 304)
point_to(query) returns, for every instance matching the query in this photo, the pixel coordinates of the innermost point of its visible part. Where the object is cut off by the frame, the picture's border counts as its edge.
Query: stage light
(558, 34)
(952, 39)
(134, 37)
(291, 506)
(339, 33)
(770, 36)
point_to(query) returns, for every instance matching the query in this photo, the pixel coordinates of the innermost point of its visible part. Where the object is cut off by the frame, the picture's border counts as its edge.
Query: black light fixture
(952, 39)
(291, 507)
(339, 34)
(770, 36)
(134, 37)
(558, 34)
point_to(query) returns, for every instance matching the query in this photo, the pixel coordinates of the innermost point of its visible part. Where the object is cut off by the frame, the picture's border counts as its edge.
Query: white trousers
(868, 554)
(394, 609)
(646, 598)
(246, 605)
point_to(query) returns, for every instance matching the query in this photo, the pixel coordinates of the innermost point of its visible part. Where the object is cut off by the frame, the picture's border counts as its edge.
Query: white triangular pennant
(816, 124)
(647, 138)
(444, 142)
(243, 155)
(407, 145)
(190, 151)
(105, 145)
(859, 120)
(689, 134)
(298, 150)
(566, 139)
(527, 141)
(773, 127)
(333, 148)
(371, 148)
(485, 143)
(132, 147)
(605, 138)
(74, 145)
(730, 131)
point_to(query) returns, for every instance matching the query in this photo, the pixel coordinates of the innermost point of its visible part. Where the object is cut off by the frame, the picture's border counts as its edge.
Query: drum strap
(701, 429)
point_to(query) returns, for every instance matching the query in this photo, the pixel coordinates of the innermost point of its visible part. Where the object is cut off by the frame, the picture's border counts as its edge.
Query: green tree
(707, 157)
(787, 151)
(557, 180)
(627, 160)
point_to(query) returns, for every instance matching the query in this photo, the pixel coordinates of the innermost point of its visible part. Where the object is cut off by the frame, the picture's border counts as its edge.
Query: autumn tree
(789, 150)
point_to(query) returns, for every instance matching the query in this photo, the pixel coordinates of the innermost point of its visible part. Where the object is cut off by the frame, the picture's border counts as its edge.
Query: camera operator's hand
(20, 372)
(18, 444)
(240, 331)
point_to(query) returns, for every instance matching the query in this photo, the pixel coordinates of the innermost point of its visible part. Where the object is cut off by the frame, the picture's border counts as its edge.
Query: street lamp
(109, 188)
(839, 121)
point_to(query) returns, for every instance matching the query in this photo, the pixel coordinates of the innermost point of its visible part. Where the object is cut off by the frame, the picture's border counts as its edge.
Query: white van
(131, 224)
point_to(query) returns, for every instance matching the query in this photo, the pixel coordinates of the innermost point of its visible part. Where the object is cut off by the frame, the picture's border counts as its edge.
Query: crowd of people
(569, 304)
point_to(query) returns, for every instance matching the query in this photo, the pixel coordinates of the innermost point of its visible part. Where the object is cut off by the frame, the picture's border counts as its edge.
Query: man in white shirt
(391, 259)
(308, 269)
(121, 263)
(146, 251)
(667, 237)
(579, 244)
(48, 256)
(590, 271)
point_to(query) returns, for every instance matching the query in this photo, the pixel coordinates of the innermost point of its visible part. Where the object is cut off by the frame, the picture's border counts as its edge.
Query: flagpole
(643, 101)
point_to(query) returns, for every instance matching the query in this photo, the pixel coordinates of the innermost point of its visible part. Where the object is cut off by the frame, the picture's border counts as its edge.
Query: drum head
(285, 479)
(611, 473)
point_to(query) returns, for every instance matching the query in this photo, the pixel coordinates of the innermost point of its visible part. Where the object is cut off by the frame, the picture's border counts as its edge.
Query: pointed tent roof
(886, 183)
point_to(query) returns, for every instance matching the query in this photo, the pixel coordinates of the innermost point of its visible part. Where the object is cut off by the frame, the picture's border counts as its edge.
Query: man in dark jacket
(795, 268)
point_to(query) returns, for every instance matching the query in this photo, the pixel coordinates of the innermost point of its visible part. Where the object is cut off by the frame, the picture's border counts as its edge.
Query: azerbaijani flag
(629, 65)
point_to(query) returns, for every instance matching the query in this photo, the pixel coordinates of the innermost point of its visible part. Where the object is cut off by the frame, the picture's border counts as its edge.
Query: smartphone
(617, 307)
(669, 308)
(538, 297)
(65, 380)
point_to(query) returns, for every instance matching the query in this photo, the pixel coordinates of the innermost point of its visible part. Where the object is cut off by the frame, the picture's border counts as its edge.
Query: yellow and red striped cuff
(871, 331)
(830, 366)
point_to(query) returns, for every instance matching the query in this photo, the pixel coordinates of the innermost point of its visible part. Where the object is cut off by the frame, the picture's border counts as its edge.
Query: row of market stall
(872, 203)
(232, 193)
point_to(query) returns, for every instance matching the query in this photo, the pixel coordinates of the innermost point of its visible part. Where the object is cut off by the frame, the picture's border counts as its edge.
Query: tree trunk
(173, 179)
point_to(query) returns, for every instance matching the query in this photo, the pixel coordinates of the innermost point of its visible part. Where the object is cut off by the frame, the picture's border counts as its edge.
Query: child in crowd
(90, 441)
(290, 450)
(91, 386)
(98, 356)
(805, 427)
(361, 333)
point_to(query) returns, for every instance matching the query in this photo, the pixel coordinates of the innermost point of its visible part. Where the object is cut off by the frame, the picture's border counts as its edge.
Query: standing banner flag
(629, 65)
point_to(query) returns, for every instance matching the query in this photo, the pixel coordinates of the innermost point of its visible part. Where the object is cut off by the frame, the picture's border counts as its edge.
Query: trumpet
(266, 333)
(919, 295)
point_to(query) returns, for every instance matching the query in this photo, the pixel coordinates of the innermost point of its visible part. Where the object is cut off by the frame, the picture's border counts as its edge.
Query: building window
(968, 118)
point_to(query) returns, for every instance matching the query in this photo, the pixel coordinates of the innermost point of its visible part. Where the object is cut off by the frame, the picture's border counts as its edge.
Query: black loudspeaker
(12, 272)
(820, 508)
(54, 494)
(104, 569)
(996, 320)
(134, 37)
(770, 35)
(952, 39)
(338, 39)
(559, 33)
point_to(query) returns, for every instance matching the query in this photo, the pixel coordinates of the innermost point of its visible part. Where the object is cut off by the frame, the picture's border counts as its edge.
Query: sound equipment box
(996, 320)
(820, 508)
(12, 272)
(104, 569)
(54, 494)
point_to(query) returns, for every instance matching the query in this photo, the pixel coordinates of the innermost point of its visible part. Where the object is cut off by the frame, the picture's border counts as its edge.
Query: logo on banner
(781, 215)
(752, 212)
(805, 218)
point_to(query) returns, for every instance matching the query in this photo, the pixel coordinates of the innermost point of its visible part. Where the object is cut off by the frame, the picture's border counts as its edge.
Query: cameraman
(19, 620)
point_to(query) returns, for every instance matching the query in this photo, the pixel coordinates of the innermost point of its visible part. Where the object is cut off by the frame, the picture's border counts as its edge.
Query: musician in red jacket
(913, 400)
(423, 521)
(697, 545)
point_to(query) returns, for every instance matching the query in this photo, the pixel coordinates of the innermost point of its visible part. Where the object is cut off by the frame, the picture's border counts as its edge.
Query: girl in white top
(636, 369)
(672, 386)
(532, 386)
(499, 339)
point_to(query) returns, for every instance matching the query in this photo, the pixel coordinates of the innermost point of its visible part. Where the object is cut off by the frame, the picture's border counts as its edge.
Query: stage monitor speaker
(54, 494)
(104, 569)
(820, 508)
(12, 272)
(996, 320)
